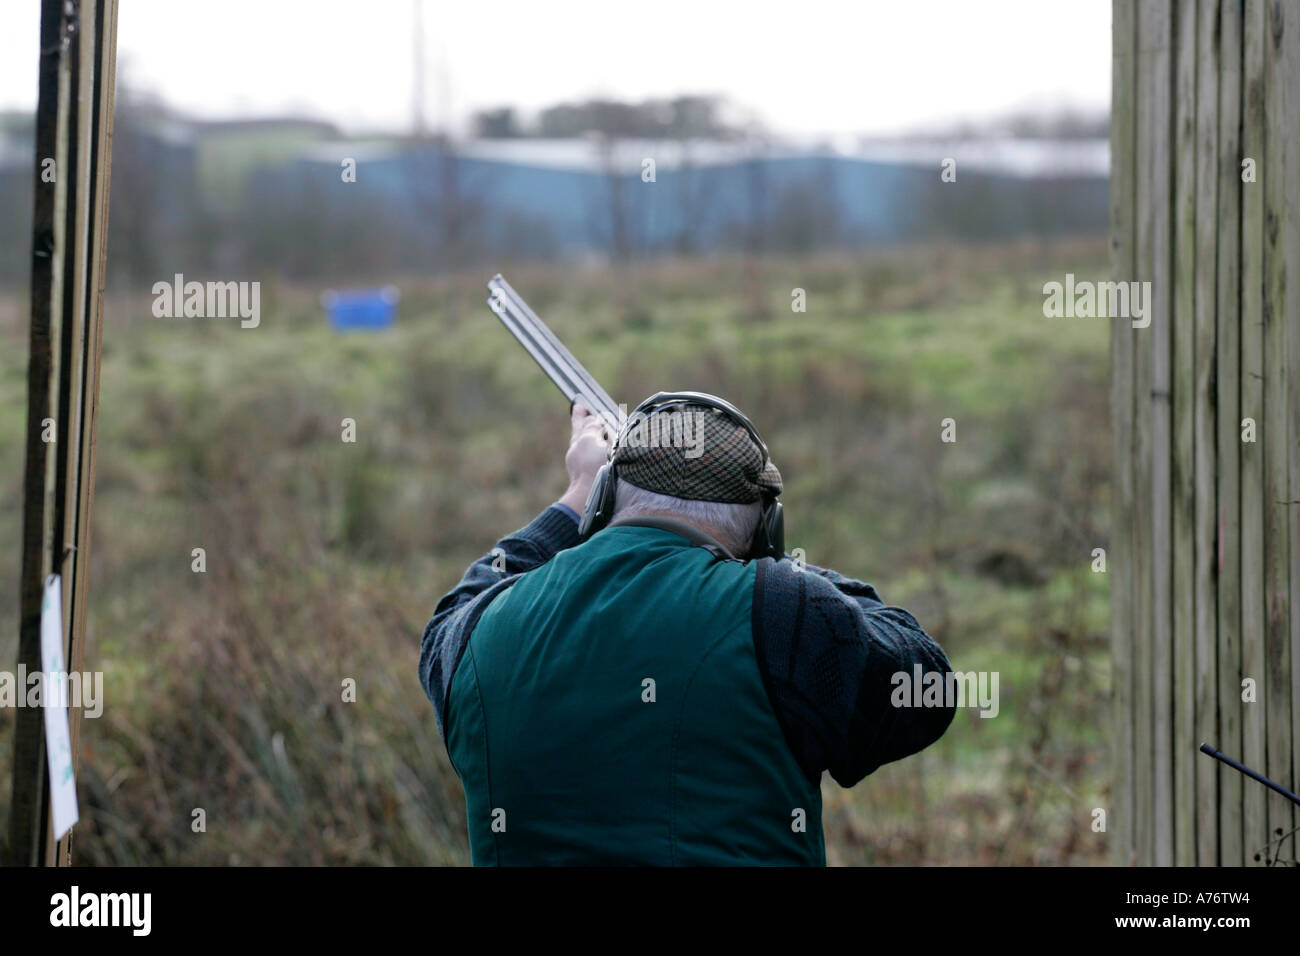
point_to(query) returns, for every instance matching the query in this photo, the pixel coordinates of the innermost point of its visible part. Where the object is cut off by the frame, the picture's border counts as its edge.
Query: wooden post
(70, 222)
(1122, 263)
(1291, 126)
(1228, 398)
(1143, 784)
(1252, 408)
(1204, 688)
(1278, 420)
(1182, 676)
(1206, 624)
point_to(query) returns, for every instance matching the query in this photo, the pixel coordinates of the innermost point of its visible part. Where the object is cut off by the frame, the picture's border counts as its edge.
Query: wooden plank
(1123, 268)
(1204, 809)
(103, 64)
(67, 284)
(1228, 293)
(29, 813)
(75, 170)
(1291, 88)
(1182, 333)
(1277, 424)
(73, 338)
(1159, 205)
(1255, 823)
(1151, 204)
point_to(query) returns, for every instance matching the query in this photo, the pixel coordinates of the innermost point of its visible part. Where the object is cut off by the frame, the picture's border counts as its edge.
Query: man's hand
(588, 449)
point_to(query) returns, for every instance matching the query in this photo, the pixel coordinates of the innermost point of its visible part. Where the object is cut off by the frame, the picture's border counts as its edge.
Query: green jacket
(610, 707)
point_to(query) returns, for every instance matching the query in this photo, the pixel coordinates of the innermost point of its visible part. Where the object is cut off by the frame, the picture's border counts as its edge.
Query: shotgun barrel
(1221, 756)
(549, 352)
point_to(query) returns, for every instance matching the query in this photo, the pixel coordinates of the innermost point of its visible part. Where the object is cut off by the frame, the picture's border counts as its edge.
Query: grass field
(324, 559)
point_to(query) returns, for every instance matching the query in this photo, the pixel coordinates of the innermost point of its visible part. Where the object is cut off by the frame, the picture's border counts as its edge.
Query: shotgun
(549, 352)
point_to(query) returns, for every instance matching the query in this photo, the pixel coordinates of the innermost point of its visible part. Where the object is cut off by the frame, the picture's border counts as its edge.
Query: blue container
(361, 309)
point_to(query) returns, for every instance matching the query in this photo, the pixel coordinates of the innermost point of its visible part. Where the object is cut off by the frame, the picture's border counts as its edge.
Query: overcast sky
(812, 67)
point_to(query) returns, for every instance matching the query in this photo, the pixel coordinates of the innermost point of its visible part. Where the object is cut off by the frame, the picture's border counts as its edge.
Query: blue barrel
(361, 309)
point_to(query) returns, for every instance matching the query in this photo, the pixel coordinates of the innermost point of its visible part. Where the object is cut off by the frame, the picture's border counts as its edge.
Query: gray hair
(732, 525)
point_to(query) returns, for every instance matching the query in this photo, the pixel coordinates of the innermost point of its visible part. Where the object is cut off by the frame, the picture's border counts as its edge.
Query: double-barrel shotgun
(549, 352)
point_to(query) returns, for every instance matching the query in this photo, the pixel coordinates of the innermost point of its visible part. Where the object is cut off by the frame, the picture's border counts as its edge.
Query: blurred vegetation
(325, 559)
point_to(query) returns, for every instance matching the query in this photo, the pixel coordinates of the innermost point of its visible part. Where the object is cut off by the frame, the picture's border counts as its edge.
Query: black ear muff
(769, 536)
(600, 502)
(774, 520)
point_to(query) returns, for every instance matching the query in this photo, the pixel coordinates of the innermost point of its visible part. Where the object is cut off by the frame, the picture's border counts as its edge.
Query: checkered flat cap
(695, 452)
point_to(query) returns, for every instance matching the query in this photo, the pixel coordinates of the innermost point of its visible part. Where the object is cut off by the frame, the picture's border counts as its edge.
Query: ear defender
(600, 502)
(769, 537)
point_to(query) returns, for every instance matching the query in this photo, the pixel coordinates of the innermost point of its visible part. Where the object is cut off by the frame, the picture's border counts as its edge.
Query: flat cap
(695, 452)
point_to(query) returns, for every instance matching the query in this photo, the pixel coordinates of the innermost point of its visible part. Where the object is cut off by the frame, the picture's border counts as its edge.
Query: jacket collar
(688, 531)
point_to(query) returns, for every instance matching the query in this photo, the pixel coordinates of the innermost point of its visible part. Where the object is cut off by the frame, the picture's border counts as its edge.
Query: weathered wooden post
(74, 121)
(1205, 591)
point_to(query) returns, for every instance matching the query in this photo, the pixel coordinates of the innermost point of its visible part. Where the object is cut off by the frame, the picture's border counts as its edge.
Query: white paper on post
(54, 699)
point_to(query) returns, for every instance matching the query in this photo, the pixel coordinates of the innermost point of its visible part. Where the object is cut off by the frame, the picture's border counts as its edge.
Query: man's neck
(689, 530)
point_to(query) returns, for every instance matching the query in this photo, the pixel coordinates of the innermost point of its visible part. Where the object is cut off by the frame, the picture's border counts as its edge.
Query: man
(658, 693)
